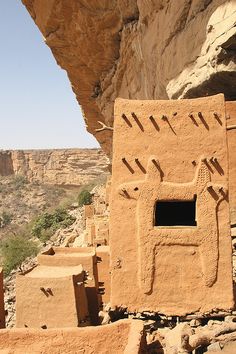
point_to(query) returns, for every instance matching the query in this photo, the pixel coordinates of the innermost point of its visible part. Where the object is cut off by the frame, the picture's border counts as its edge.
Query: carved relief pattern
(151, 238)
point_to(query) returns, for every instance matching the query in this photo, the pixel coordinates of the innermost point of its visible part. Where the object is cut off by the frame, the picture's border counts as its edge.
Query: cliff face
(139, 49)
(62, 167)
(6, 163)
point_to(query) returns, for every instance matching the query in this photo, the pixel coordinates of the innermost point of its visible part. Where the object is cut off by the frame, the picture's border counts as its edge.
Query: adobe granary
(51, 297)
(170, 221)
(68, 288)
(95, 262)
(96, 216)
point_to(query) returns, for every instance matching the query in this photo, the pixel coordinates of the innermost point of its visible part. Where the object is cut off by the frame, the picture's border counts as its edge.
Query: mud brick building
(170, 217)
(67, 288)
(51, 297)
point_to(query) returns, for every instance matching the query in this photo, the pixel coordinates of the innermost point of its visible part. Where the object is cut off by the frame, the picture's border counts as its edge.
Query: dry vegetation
(31, 213)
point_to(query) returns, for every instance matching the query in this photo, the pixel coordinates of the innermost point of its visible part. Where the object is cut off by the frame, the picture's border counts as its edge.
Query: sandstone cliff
(62, 167)
(139, 49)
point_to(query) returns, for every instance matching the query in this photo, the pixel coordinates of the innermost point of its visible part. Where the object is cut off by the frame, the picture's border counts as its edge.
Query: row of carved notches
(166, 118)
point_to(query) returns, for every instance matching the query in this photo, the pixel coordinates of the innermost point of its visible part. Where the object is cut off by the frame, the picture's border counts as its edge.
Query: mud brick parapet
(121, 337)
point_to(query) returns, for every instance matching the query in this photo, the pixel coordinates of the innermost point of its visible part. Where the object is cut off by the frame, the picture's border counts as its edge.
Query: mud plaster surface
(163, 150)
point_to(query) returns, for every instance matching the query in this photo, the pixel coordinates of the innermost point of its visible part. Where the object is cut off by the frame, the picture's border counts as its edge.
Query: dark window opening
(175, 213)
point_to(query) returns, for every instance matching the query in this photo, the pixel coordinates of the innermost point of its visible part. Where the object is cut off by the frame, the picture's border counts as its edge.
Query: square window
(175, 213)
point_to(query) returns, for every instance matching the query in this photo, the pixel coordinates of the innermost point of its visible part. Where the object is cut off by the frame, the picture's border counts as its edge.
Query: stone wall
(62, 167)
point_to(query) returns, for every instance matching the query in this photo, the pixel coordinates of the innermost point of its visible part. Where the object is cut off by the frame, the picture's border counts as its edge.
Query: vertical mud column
(231, 137)
(2, 311)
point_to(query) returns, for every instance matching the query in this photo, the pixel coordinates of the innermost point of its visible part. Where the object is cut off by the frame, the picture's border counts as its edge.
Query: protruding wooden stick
(104, 127)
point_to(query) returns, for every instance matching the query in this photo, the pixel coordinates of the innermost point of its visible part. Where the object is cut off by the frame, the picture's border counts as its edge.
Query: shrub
(85, 197)
(5, 219)
(45, 235)
(19, 181)
(14, 250)
(42, 223)
(46, 224)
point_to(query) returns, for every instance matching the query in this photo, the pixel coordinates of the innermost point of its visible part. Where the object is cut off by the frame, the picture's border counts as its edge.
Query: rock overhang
(135, 50)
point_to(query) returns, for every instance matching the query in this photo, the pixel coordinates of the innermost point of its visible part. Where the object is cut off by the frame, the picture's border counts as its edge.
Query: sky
(38, 109)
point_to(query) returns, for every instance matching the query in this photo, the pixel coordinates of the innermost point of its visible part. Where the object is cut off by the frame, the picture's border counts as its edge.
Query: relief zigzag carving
(150, 238)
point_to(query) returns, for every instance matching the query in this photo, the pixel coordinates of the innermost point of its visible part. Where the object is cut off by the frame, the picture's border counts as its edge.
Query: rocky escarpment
(139, 49)
(59, 167)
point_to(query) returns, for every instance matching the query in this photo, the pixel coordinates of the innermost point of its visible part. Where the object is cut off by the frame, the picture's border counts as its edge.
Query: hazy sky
(37, 106)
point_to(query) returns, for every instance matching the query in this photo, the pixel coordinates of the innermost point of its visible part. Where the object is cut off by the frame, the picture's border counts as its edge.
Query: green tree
(14, 250)
(85, 198)
(47, 223)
